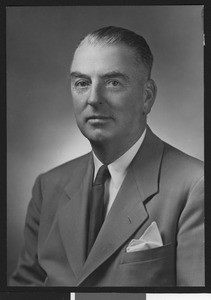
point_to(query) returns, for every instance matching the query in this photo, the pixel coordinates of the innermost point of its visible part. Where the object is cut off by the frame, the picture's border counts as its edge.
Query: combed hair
(114, 35)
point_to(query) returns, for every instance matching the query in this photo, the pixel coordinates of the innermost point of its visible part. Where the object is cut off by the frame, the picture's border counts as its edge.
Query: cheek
(126, 108)
(77, 104)
(130, 113)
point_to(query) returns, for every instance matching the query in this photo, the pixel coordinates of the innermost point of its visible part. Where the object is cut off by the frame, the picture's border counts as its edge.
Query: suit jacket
(162, 184)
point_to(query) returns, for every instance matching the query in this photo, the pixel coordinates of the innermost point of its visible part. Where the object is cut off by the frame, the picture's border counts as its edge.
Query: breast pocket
(153, 267)
(147, 255)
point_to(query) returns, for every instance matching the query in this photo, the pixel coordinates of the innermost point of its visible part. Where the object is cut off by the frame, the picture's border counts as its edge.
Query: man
(130, 213)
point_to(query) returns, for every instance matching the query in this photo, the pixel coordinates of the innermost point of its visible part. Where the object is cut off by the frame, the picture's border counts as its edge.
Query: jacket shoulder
(182, 163)
(62, 174)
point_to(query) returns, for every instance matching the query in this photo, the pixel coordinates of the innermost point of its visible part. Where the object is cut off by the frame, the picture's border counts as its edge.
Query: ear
(150, 91)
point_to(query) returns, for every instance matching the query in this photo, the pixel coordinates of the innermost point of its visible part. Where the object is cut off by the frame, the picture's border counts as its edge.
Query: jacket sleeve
(190, 239)
(28, 271)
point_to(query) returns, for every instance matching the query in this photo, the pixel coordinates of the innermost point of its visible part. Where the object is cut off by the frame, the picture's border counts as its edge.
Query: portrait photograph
(105, 146)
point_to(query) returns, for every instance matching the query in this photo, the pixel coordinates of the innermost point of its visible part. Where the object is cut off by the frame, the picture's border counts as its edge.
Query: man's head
(111, 86)
(112, 35)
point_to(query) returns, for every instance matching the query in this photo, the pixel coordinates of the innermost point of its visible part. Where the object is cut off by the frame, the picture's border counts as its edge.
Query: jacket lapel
(146, 165)
(125, 216)
(128, 212)
(73, 214)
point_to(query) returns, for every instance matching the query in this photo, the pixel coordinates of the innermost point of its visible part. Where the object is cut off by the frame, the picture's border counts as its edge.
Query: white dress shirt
(118, 171)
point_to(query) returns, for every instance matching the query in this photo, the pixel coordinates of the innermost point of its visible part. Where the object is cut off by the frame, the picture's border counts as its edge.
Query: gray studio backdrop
(41, 127)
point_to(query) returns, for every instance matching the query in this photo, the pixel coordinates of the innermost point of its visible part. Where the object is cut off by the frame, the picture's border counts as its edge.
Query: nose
(95, 96)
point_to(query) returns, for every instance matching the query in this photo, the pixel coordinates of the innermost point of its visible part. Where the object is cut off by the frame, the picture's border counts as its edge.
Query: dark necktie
(96, 206)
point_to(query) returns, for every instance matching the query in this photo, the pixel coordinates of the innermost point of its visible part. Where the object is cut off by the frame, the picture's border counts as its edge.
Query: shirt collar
(119, 167)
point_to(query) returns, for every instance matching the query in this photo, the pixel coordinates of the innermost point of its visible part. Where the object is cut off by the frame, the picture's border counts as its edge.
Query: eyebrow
(109, 75)
(79, 75)
(115, 74)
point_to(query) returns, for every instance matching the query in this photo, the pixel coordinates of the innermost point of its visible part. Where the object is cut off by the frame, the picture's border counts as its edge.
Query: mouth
(98, 119)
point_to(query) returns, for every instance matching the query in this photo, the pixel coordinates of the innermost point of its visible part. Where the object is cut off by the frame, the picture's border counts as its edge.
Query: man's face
(109, 93)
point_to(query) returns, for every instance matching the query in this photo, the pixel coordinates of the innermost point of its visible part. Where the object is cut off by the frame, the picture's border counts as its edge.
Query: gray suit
(162, 185)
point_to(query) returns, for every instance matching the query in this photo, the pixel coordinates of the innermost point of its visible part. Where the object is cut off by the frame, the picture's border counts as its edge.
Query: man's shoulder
(64, 172)
(174, 158)
(182, 162)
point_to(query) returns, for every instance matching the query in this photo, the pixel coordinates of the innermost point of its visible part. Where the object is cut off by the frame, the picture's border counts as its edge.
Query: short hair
(114, 35)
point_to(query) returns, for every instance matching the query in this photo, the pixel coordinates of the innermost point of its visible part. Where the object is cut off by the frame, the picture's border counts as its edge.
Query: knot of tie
(102, 175)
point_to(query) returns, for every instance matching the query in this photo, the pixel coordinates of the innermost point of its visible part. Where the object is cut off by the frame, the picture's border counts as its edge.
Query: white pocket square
(151, 238)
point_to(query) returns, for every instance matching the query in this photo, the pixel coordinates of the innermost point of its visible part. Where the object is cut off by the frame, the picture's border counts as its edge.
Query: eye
(113, 83)
(81, 84)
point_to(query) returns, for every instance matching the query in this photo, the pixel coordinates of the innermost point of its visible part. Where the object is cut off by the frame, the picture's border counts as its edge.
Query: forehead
(104, 58)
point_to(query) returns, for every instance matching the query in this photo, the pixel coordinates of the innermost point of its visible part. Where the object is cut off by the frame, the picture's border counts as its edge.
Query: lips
(96, 117)
(98, 120)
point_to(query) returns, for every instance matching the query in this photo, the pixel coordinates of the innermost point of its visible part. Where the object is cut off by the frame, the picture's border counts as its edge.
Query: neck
(109, 151)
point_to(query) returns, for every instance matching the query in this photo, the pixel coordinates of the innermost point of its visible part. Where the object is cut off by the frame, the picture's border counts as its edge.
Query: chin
(96, 138)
